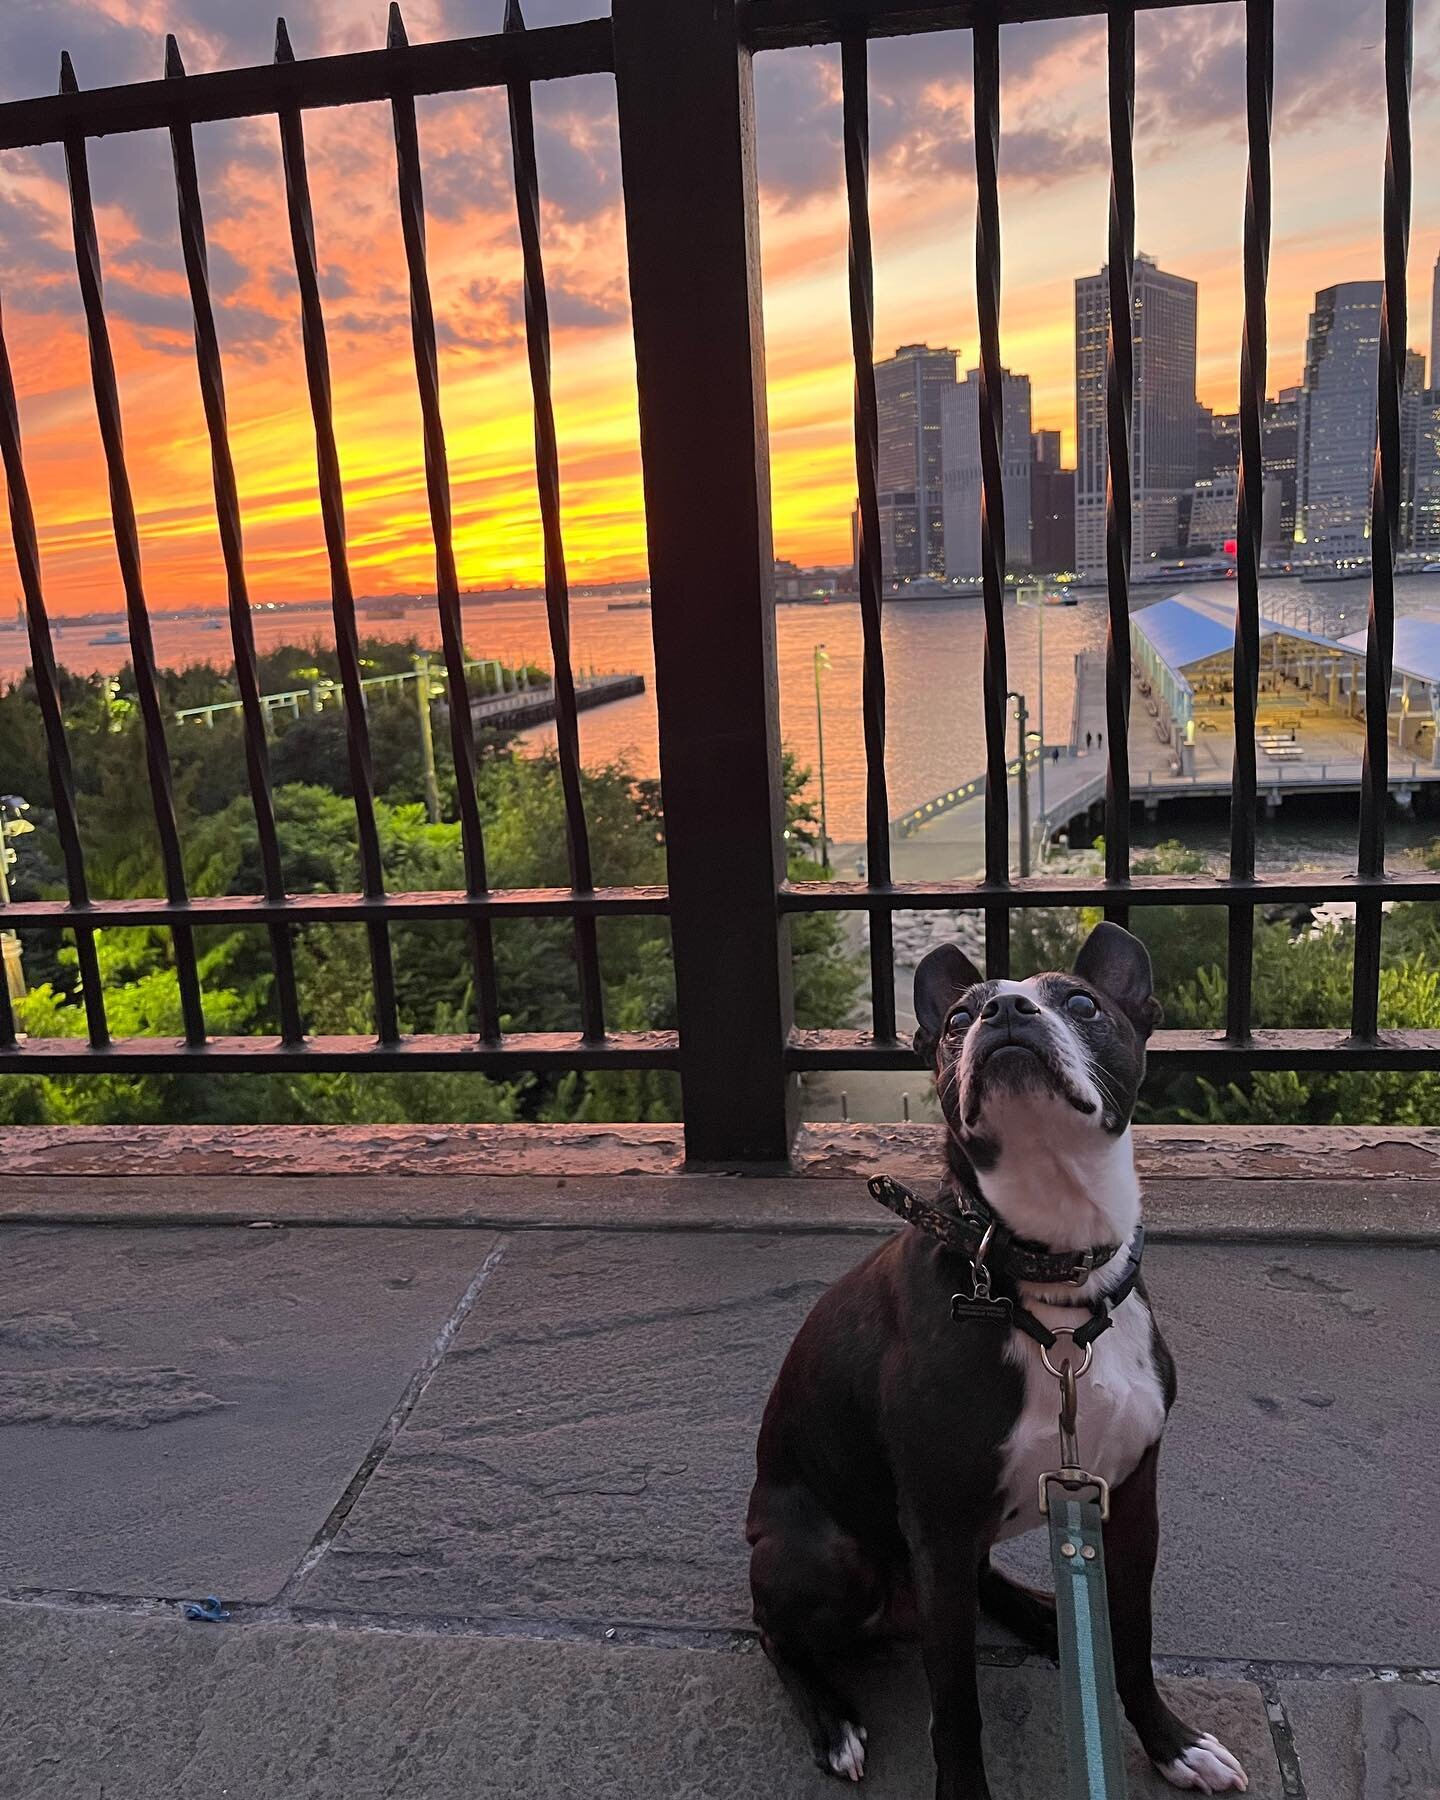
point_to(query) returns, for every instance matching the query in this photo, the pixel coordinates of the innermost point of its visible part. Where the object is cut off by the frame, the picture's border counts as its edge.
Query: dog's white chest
(1121, 1410)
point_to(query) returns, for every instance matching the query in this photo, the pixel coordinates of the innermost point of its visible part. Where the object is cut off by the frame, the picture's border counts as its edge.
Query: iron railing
(682, 70)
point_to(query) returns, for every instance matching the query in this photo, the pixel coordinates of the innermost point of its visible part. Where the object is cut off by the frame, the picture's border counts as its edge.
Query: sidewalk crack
(390, 1430)
(1292, 1778)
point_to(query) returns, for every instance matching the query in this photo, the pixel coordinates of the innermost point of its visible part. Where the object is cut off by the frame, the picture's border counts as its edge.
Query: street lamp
(427, 738)
(12, 825)
(1032, 594)
(822, 661)
(1023, 737)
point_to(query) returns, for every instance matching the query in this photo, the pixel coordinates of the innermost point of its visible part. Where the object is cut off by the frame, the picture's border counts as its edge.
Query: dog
(900, 1443)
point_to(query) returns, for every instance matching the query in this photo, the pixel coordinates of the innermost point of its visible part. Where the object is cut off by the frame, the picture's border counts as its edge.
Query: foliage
(523, 813)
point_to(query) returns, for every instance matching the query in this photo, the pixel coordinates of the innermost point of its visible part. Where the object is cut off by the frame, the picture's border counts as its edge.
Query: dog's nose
(1006, 1007)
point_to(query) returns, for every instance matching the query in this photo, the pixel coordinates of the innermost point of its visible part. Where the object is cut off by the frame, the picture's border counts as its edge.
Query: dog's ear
(1115, 961)
(941, 979)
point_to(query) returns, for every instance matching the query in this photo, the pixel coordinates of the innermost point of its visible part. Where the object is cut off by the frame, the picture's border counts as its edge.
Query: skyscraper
(1336, 422)
(1435, 326)
(960, 441)
(1163, 452)
(1425, 460)
(1052, 506)
(908, 388)
(1280, 436)
(1412, 394)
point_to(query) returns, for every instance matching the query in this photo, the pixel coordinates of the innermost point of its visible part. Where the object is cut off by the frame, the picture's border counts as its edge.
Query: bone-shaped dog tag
(993, 1312)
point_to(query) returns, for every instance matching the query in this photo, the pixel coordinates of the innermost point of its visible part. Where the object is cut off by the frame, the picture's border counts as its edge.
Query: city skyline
(1190, 160)
(1163, 444)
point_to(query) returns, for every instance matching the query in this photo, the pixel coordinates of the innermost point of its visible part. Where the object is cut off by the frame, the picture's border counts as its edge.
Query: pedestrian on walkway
(1089, 740)
(1099, 740)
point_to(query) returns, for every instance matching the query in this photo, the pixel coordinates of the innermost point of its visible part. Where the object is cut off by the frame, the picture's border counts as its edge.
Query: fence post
(687, 152)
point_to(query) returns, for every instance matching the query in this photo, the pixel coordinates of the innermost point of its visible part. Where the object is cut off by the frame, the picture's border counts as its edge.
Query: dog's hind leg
(837, 1738)
(1026, 1611)
(815, 1591)
(1185, 1756)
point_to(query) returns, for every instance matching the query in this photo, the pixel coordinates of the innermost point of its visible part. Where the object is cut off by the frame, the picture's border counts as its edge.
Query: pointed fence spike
(283, 51)
(68, 83)
(395, 38)
(514, 18)
(173, 64)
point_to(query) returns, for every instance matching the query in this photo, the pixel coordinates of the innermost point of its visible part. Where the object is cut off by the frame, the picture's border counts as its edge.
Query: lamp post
(427, 738)
(12, 825)
(1022, 735)
(822, 661)
(1033, 594)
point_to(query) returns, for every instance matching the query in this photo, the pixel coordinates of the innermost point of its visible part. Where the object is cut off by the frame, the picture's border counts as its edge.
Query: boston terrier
(901, 1442)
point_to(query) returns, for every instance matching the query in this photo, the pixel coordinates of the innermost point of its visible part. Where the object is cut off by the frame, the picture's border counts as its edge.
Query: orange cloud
(1190, 178)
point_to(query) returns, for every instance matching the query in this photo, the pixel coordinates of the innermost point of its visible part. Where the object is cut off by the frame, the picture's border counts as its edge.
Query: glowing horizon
(1191, 166)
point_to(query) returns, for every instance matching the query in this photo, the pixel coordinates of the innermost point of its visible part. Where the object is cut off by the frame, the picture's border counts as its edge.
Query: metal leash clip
(1070, 1475)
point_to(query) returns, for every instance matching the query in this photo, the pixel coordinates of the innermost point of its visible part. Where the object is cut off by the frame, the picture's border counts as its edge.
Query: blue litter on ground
(209, 1611)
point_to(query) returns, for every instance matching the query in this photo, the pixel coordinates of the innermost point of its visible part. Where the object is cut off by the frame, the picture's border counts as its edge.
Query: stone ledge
(1204, 1210)
(822, 1151)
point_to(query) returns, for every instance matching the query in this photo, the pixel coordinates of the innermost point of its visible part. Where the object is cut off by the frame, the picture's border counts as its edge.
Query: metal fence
(682, 70)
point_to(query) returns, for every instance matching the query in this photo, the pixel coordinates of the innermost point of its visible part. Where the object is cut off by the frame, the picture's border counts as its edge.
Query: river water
(933, 661)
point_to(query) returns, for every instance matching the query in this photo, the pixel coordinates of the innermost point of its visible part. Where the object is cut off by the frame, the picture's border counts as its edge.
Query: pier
(534, 706)
(528, 703)
(1309, 735)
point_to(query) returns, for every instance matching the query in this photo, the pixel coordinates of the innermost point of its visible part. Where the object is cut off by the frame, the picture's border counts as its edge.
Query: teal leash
(1077, 1505)
(1089, 1713)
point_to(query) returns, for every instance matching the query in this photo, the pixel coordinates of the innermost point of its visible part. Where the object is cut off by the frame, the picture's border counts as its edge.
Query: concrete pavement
(475, 1497)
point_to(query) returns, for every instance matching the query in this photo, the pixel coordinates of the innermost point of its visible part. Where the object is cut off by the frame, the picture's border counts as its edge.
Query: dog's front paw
(1206, 1767)
(845, 1755)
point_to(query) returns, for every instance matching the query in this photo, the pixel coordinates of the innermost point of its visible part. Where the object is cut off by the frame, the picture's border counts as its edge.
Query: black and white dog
(899, 1444)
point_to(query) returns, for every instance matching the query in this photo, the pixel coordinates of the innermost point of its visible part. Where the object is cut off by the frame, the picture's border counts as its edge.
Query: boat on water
(1431, 569)
(1061, 600)
(927, 588)
(628, 606)
(109, 637)
(1340, 573)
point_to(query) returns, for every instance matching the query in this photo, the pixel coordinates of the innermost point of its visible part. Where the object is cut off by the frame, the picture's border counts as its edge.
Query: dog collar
(977, 1233)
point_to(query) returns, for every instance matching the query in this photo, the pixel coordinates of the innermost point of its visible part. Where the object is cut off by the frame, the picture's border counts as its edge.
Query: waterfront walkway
(951, 844)
(1324, 756)
(465, 1455)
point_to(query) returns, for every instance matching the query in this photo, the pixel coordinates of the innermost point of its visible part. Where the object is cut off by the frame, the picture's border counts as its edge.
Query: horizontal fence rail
(546, 54)
(685, 112)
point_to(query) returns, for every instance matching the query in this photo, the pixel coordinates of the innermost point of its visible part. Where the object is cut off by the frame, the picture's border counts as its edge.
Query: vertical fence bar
(547, 475)
(1259, 105)
(854, 75)
(127, 546)
(986, 46)
(332, 513)
(447, 583)
(687, 150)
(1119, 409)
(47, 690)
(1384, 512)
(227, 514)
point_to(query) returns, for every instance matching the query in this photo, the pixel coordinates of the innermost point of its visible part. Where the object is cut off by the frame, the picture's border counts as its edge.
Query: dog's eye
(960, 1018)
(1081, 1006)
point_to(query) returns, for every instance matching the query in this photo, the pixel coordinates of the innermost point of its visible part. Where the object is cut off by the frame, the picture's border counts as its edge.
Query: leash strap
(1093, 1754)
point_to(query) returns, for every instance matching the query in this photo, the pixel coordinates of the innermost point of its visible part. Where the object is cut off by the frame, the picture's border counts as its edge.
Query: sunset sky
(1190, 155)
